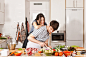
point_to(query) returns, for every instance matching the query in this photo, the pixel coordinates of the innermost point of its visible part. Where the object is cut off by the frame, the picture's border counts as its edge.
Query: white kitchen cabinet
(69, 3)
(79, 3)
(2, 6)
(1, 18)
(2, 11)
(74, 3)
(58, 13)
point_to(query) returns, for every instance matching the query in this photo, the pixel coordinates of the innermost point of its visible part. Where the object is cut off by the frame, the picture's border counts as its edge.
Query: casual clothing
(32, 28)
(40, 34)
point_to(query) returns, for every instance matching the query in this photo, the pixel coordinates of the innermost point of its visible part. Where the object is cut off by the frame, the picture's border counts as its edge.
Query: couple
(39, 37)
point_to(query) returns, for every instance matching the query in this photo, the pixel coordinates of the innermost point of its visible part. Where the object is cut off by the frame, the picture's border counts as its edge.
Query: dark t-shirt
(32, 28)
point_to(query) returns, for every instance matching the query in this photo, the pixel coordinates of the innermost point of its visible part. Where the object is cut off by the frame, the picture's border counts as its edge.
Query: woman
(38, 22)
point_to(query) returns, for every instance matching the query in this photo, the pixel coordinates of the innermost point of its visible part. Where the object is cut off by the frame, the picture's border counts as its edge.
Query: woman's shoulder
(34, 20)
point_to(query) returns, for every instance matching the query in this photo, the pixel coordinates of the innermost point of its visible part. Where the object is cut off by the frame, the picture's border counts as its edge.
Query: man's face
(50, 30)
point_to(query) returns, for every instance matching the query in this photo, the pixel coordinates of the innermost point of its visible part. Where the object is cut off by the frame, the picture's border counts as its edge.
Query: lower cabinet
(54, 44)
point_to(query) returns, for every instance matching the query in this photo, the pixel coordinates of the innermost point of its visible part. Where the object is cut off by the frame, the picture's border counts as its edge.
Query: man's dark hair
(54, 24)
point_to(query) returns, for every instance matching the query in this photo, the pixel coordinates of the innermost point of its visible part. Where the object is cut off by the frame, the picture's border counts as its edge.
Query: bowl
(18, 53)
(48, 54)
(67, 53)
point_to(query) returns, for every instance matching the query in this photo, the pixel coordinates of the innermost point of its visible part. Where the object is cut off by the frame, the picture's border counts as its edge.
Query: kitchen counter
(33, 56)
(42, 56)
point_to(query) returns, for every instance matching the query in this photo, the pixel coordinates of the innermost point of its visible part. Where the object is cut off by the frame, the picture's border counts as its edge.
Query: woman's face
(42, 21)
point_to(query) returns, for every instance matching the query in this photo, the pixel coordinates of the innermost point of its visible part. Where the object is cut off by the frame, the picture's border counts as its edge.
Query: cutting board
(80, 56)
(23, 49)
(80, 48)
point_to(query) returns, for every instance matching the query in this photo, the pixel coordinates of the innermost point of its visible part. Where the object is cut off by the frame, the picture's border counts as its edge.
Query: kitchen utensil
(17, 49)
(18, 53)
(11, 46)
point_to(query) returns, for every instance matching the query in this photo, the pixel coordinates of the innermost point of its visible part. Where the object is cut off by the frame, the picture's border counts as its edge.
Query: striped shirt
(41, 34)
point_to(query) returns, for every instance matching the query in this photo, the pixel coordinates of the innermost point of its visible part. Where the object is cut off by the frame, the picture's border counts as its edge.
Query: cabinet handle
(57, 44)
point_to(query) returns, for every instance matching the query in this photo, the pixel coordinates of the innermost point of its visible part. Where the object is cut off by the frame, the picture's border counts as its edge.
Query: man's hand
(42, 44)
(50, 46)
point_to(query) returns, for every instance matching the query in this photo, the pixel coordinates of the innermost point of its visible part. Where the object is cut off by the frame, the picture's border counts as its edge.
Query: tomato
(60, 53)
(39, 51)
(56, 53)
(54, 50)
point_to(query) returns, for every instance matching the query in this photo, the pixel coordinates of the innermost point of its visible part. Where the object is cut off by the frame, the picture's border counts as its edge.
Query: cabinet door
(1, 5)
(58, 13)
(79, 3)
(70, 3)
(1, 18)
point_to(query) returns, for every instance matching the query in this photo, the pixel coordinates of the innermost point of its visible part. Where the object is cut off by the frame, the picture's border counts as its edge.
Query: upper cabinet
(2, 11)
(58, 13)
(74, 3)
(2, 6)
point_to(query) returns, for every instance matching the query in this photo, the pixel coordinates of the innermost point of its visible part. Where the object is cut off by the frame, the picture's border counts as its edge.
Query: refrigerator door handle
(74, 9)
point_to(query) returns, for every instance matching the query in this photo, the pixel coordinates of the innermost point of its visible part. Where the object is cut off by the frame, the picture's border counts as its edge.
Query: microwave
(58, 37)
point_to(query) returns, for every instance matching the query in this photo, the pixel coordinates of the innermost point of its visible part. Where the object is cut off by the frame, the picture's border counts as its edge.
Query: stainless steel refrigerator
(74, 27)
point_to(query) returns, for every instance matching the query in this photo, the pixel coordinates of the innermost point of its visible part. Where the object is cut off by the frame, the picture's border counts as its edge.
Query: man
(39, 38)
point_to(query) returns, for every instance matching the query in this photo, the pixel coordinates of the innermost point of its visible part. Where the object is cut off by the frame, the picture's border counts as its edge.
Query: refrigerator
(74, 27)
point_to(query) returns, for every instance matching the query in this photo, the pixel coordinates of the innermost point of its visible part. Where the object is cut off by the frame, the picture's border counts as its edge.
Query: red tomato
(54, 50)
(39, 51)
(60, 53)
(56, 53)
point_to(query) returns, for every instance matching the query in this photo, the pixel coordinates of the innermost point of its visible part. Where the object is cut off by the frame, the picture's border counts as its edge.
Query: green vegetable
(3, 38)
(74, 46)
(59, 47)
(71, 49)
(19, 49)
(1, 48)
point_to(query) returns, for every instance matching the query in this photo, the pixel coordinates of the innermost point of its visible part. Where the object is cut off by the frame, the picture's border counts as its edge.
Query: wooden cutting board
(80, 48)
(23, 49)
(80, 56)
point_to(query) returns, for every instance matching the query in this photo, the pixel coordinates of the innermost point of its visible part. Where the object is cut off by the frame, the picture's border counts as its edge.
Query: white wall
(58, 13)
(14, 12)
(36, 9)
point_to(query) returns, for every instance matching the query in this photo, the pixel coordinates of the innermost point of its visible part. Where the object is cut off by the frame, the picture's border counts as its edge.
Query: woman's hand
(42, 44)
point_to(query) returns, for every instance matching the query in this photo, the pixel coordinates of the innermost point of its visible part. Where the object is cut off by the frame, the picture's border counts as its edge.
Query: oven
(57, 37)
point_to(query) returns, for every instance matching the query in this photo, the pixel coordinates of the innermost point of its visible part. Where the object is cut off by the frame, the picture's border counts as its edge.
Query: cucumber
(19, 49)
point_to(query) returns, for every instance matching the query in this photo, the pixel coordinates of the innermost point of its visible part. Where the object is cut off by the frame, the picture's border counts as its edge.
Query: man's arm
(32, 38)
(46, 42)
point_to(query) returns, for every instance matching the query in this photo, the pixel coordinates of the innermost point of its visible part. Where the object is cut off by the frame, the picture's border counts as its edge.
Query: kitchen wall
(14, 12)
(32, 10)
